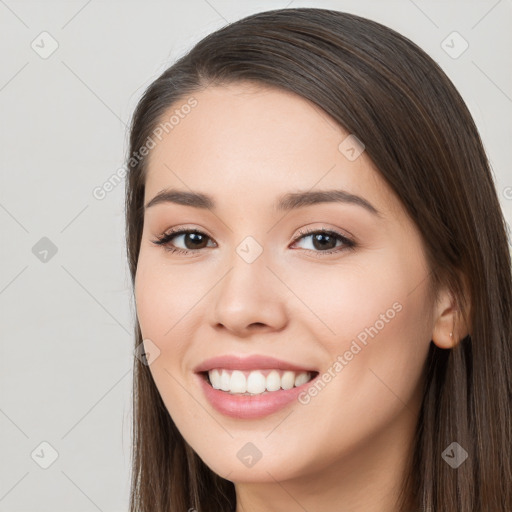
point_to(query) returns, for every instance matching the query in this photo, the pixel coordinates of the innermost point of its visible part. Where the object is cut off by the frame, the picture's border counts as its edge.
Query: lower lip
(250, 407)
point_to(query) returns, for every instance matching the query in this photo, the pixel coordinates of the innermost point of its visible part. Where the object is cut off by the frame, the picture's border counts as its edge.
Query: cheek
(162, 308)
(165, 299)
(152, 304)
(359, 293)
(378, 349)
(373, 314)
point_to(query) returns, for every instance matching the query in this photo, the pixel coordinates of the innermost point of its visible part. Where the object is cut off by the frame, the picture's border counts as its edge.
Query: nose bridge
(249, 293)
(247, 277)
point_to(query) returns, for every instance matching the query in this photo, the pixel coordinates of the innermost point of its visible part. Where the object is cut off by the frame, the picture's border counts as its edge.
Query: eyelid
(164, 238)
(322, 229)
(183, 229)
(348, 241)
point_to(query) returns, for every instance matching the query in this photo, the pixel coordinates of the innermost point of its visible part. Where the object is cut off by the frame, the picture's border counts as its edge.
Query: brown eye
(324, 241)
(191, 239)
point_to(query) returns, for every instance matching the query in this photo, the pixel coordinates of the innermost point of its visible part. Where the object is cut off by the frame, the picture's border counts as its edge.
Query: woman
(322, 279)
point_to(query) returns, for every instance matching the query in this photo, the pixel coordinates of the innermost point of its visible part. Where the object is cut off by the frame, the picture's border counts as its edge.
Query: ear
(449, 325)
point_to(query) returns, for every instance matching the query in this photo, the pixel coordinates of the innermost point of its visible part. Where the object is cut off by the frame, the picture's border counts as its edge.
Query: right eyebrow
(289, 201)
(195, 199)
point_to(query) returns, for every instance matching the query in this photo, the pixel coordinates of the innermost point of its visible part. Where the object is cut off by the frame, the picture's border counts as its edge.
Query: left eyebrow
(289, 201)
(294, 200)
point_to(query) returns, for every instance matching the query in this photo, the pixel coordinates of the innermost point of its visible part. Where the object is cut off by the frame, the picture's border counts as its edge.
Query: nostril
(257, 324)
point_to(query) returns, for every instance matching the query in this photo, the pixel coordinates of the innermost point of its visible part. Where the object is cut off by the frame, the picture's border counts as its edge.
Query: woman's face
(349, 307)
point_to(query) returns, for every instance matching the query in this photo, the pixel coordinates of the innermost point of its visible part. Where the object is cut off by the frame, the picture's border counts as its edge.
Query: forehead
(258, 139)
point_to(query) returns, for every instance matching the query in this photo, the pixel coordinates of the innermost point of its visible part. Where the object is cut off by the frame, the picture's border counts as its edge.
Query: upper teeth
(255, 382)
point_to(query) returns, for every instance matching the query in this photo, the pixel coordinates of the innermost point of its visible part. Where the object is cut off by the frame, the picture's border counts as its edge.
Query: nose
(250, 298)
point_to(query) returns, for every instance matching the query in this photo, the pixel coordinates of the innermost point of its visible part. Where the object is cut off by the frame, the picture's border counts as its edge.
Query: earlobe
(444, 337)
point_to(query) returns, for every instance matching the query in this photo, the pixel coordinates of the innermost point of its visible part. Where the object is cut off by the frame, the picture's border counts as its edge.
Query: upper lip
(247, 363)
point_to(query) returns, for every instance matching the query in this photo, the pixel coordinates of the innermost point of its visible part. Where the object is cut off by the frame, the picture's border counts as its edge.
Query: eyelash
(166, 238)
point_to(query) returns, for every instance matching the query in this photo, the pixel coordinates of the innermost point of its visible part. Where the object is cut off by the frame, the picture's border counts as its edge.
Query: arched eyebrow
(287, 202)
(293, 200)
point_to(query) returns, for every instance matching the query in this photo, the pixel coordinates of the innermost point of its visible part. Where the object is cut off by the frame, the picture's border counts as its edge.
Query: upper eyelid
(303, 233)
(322, 227)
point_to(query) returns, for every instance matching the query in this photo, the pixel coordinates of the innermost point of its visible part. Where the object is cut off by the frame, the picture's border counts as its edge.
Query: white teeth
(238, 382)
(288, 380)
(273, 381)
(255, 382)
(225, 381)
(215, 379)
(302, 378)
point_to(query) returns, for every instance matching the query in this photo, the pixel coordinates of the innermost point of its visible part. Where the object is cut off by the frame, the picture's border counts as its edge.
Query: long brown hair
(422, 139)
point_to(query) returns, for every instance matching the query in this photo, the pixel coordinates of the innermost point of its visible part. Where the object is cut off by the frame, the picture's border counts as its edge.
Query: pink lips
(245, 406)
(248, 363)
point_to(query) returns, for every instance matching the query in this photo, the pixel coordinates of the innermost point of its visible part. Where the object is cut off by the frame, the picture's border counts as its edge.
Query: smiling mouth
(256, 382)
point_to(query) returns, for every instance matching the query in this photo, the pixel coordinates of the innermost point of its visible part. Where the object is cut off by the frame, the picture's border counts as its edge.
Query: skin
(246, 145)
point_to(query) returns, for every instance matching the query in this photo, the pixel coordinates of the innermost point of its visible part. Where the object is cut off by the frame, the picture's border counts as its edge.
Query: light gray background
(66, 323)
